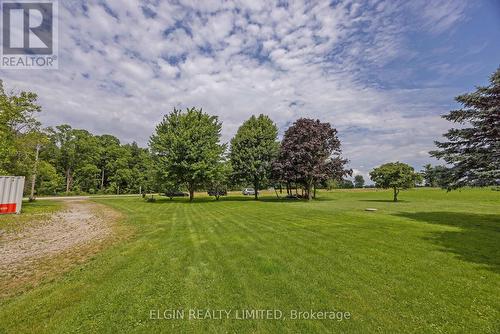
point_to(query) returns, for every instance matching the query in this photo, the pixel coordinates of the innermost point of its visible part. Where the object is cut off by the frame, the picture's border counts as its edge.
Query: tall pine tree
(473, 149)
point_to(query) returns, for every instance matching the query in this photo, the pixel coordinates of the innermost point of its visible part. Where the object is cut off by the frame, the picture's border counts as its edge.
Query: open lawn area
(427, 264)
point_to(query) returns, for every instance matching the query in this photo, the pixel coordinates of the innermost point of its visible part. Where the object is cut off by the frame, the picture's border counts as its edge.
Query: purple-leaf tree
(310, 153)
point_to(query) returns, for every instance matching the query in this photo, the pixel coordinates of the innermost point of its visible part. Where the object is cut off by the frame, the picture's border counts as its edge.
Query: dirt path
(80, 226)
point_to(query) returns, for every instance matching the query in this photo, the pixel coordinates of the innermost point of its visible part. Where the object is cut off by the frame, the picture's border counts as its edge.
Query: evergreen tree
(473, 149)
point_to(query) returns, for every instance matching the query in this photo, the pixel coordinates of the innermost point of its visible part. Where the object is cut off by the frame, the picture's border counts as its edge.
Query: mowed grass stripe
(428, 264)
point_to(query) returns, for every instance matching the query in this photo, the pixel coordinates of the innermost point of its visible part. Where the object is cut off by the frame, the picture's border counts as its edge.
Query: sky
(381, 72)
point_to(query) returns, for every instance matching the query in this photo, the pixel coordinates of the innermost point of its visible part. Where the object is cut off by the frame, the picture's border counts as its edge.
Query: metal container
(11, 194)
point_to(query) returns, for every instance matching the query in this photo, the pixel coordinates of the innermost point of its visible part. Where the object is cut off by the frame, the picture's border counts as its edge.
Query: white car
(248, 191)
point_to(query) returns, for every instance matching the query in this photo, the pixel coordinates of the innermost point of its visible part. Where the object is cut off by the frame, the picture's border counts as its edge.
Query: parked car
(248, 191)
(172, 194)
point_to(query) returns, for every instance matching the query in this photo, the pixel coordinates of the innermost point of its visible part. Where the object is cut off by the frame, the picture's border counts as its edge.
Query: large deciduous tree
(19, 131)
(396, 176)
(309, 154)
(186, 148)
(473, 149)
(253, 149)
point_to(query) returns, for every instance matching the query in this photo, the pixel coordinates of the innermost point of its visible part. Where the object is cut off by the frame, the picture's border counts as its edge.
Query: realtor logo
(29, 34)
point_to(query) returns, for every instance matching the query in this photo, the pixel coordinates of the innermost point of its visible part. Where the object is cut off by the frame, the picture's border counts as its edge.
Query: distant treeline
(185, 153)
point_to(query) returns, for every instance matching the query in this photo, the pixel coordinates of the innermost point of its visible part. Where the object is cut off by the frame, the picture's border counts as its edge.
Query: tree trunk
(191, 194)
(33, 179)
(309, 190)
(276, 191)
(68, 180)
(102, 179)
(256, 189)
(396, 192)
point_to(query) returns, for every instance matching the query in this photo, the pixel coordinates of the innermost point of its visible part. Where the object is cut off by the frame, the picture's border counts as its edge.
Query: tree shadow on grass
(206, 199)
(477, 241)
(383, 200)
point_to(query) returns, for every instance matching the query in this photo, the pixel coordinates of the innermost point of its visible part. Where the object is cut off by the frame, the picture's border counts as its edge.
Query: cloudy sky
(380, 71)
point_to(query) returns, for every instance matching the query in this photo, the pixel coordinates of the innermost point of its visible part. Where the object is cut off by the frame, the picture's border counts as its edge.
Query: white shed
(11, 194)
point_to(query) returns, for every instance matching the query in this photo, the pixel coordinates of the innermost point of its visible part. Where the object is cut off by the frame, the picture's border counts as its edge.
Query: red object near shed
(11, 194)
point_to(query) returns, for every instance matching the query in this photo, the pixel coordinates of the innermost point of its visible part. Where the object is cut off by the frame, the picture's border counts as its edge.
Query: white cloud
(234, 60)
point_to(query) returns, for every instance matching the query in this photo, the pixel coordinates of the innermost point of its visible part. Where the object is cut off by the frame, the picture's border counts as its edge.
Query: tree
(140, 164)
(359, 181)
(395, 175)
(473, 149)
(346, 184)
(19, 131)
(87, 177)
(310, 154)
(186, 148)
(77, 151)
(331, 184)
(429, 176)
(219, 179)
(253, 149)
(435, 176)
(123, 168)
(48, 180)
(441, 176)
(109, 151)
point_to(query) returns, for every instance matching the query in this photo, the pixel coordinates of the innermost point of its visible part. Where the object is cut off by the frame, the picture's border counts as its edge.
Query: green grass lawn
(427, 264)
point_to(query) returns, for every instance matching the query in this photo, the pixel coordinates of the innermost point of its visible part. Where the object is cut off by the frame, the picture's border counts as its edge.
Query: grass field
(428, 264)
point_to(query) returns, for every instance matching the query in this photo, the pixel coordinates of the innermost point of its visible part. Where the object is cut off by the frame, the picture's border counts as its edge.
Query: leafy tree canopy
(186, 148)
(76, 151)
(359, 181)
(19, 131)
(395, 175)
(253, 149)
(309, 154)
